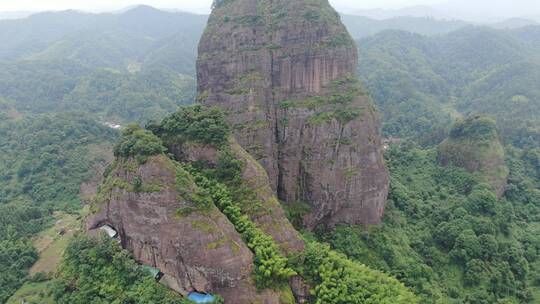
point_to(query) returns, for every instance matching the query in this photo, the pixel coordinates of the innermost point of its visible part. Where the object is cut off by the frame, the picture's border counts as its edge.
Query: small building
(201, 297)
(387, 142)
(110, 231)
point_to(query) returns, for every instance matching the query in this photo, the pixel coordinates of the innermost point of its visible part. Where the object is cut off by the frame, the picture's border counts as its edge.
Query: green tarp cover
(152, 270)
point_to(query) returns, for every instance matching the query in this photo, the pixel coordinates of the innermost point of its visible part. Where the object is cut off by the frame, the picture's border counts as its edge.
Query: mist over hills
(143, 38)
(70, 60)
(420, 82)
(478, 11)
(14, 14)
(23, 34)
(450, 57)
(30, 35)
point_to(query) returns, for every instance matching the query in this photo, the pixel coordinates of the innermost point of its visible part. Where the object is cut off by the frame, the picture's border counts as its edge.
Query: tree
(482, 200)
(466, 247)
(98, 270)
(138, 143)
(205, 125)
(474, 272)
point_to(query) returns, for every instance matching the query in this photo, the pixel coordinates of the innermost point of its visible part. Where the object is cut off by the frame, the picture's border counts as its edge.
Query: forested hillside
(66, 77)
(445, 233)
(448, 237)
(44, 159)
(134, 66)
(420, 83)
(63, 75)
(132, 33)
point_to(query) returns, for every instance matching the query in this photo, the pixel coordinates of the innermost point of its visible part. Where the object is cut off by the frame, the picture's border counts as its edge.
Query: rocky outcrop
(154, 208)
(284, 72)
(474, 145)
(265, 210)
(104, 156)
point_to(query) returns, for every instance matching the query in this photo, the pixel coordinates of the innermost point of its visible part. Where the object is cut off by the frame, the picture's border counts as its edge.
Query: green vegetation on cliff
(422, 83)
(271, 268)
(446, 236)
(475, 127)
(195, 123)
(474, 145)
(205, 125)
(334, 278)
(138, 143)
(98, 270)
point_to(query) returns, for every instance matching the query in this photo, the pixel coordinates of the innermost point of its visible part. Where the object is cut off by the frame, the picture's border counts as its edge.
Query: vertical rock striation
(270, 217)
(197, 251)
(284, 72)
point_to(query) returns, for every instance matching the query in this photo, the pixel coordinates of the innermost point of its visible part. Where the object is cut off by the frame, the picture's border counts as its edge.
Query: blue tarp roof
(200, 297)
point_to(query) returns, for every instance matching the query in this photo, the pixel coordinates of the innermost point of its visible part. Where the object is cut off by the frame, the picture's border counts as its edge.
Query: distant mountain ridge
(145, 39)
(478, 11)
(420, 82)
(514, 23)
(420, 11)
(75, 61)
(360, 26)
(14, 14)
(23, 37)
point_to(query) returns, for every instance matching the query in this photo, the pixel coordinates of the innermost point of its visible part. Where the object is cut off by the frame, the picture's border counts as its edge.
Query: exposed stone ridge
(265, 211)
(197, 251)
(284, 72)
(474, 145)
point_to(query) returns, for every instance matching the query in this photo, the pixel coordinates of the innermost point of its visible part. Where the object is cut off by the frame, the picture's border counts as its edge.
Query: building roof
(109, 230)
(201, 297)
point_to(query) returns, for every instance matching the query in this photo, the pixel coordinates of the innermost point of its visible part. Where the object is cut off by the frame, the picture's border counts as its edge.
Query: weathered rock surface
(199, 250)
(89, 188)
(474, 145)
(283, 70)
(265, 211)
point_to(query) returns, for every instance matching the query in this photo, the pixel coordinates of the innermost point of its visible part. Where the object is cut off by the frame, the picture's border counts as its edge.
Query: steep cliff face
(263, 208)
(198, 250)
(474, 145)
(284, 72)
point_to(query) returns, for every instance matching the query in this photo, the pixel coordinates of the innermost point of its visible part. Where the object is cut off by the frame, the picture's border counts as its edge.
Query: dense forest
(446, 235)
(118, 67)
(105, 273)
(422, 83)
(43, 161)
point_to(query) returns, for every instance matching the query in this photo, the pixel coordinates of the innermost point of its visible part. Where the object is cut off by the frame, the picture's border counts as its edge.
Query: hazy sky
(93, 5)
(471, 10)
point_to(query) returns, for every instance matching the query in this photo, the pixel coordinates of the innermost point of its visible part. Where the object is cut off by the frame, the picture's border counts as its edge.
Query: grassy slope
(50, 244)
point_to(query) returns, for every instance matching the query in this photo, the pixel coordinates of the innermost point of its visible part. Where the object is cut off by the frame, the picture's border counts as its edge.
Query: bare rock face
(265, 211)
(89, 188)
(283, 70)
(197, 251)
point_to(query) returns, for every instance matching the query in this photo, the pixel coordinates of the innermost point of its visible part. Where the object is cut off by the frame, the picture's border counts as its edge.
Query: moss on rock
(473, 144)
